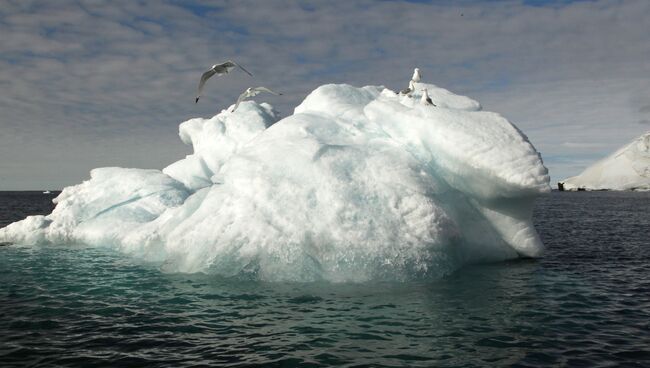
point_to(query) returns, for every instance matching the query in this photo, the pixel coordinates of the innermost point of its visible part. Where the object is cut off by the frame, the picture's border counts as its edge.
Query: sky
(95, 83)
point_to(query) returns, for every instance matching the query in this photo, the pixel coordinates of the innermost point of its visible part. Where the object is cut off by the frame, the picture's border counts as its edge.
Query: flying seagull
(426, 100)
(416, 75)
(250, 92)
(218, 69)
(408, 90)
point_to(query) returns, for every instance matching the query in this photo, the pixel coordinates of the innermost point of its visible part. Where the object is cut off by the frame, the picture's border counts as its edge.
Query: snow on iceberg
(357, 184)
(626, 169)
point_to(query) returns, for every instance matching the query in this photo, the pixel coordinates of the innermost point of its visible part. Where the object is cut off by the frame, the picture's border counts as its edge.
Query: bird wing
(241, 98)
(204, 78)
(232, 63)
(407, 90)
(264, 89)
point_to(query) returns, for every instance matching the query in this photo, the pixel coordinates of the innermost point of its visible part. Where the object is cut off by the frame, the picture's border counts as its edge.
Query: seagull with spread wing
(218, 69)
(252, 91)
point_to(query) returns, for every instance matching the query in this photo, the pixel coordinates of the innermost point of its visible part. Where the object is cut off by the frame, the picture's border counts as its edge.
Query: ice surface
(357, 184)
(98, 211)
(215, 140)
(626, 169)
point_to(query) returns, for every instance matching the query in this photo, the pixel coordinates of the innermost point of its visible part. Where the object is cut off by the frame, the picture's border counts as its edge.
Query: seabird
(416, 75)
(218, 69)
(408, 90)
(426, 100)
(250, 92)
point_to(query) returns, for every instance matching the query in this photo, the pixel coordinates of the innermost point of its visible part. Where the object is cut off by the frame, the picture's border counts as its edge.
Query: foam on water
(357, 184)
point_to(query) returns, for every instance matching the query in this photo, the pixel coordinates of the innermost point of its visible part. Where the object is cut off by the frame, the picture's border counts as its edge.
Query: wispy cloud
(93, 83)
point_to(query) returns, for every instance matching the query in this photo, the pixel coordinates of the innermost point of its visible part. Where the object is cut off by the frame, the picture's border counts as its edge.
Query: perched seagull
(410, 89)
(426, 100)
(250, 92)
(416, 75)
(218, 69)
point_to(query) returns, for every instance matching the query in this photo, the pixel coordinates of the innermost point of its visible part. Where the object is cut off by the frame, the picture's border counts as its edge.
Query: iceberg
(358, 184)
(626, 169)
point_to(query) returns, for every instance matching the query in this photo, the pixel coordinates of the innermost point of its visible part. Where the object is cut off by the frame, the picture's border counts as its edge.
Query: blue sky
(86, 84)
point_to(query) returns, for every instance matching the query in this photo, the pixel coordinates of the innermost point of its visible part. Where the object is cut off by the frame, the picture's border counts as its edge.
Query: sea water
(586, 302)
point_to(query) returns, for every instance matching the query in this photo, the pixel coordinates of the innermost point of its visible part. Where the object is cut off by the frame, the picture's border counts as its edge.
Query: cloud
(93, 83)
(581, 145)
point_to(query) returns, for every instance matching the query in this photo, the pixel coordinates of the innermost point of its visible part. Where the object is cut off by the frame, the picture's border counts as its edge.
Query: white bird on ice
(218, 69)
(250, 92)
(416, 75)
(410, 89)
(426, 100)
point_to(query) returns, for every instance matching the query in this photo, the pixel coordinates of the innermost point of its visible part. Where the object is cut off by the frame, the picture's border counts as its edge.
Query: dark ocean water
(586, 303)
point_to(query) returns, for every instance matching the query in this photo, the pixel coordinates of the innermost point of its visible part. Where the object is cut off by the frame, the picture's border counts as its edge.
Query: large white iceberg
(357, 184)
(626, 169)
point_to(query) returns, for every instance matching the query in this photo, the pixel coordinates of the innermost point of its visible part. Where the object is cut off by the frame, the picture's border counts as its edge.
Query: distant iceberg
(626, 169)
(357, 184)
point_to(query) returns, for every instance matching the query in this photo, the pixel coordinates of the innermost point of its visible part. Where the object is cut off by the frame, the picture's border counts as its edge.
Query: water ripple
(585, 303)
